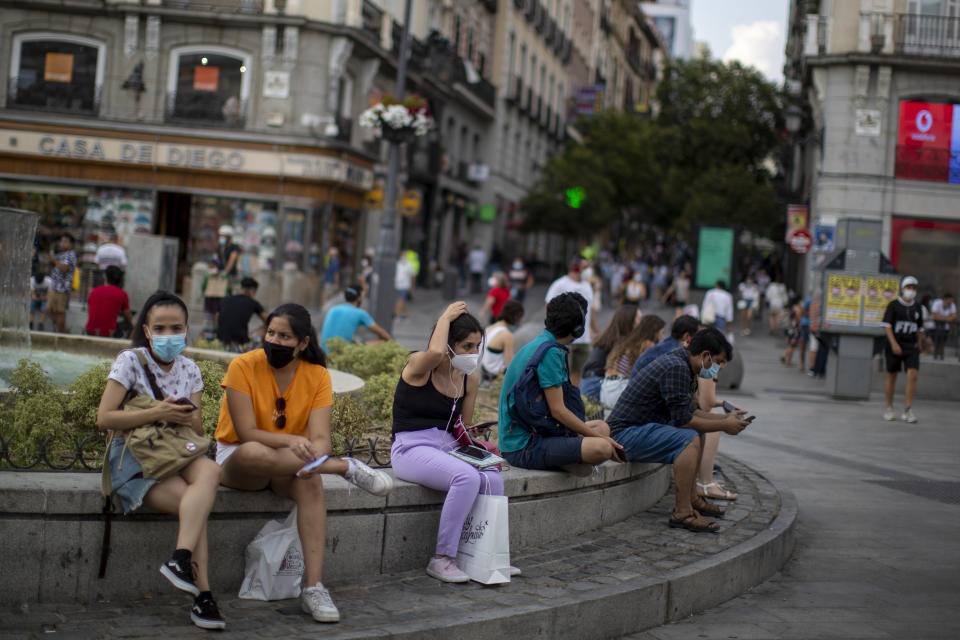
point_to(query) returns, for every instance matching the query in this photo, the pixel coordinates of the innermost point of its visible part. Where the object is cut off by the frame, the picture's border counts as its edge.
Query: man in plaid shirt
(655, 420)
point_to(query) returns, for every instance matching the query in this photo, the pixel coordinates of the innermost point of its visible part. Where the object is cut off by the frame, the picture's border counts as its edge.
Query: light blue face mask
(709, 372)
(168, 347)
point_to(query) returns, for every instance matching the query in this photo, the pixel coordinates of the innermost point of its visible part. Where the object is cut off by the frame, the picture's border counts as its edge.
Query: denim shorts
(126, 476)
(653, 442)
(38, 306)
(546, 453)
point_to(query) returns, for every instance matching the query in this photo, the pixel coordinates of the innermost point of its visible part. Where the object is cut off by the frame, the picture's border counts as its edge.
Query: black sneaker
(205, 614)
(179, 576)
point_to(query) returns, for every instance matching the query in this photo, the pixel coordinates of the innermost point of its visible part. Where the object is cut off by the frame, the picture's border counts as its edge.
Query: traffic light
(575, 197)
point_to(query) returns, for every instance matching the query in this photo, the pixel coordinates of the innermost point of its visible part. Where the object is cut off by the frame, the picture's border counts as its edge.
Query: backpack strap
(157, 391)
(541, 353)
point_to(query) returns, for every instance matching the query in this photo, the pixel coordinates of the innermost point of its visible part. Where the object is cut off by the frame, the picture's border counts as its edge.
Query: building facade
(672, 19)
(878, 103)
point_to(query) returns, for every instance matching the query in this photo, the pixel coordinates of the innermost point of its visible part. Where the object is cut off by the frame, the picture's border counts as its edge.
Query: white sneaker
(374, 481)
(889, 415)
(317, 602)
(514, 571)
(446, 570)
(908, 416)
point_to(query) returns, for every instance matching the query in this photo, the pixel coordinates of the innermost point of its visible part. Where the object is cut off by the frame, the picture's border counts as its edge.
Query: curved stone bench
(52, 527)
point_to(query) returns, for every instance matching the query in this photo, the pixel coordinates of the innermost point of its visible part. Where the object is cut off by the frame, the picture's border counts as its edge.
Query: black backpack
(530, 409)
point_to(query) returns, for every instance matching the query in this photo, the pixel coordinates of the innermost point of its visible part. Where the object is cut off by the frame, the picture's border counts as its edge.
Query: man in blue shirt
(681, 331)
(590, 442)
(655, 421)
(343, 320)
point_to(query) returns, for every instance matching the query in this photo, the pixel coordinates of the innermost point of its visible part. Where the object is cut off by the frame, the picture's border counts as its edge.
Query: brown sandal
(693, 522)
(707, 508)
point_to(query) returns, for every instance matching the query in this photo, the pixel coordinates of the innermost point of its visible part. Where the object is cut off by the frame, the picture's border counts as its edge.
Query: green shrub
(591, 408)
(212, 374)
(349, 421)
(202, 343)
(29, 378)
(365, 360)
(377, 397)
(83, 396)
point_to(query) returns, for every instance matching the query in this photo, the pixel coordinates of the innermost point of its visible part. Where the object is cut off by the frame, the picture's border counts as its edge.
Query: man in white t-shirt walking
(722, 307)
(573, 283)
(944, 312)
(477, 261)
(403, 282)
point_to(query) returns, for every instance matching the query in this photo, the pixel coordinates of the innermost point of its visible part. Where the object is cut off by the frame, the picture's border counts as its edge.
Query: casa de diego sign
(184, 156)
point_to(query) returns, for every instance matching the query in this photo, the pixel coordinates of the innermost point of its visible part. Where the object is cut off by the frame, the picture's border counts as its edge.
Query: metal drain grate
(939, 490)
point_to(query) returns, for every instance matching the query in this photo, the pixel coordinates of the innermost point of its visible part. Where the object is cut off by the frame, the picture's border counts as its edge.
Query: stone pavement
(578, 587)
(878, 550)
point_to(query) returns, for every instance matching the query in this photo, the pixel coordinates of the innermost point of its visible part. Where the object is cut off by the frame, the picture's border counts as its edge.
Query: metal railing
(205, 109)
(86, 453)
(927, 35)
(232, 6)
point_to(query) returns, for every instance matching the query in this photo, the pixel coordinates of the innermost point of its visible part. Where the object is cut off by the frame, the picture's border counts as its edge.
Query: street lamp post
(385, 261)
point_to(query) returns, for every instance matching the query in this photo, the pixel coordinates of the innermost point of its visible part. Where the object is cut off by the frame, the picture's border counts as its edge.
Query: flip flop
(724, 494)
(709, 509)
(693, 522)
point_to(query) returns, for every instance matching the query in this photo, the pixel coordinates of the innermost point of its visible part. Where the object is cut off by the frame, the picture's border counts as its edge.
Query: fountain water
(17, 230)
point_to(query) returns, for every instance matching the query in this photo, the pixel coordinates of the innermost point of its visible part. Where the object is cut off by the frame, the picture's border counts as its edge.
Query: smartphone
(750, 418)
(310, 466)
(729, 408)
(482, 426)
(186, 401)
(474, 452)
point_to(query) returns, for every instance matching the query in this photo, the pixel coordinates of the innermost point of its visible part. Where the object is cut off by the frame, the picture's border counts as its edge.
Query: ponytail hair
(302, 327)
(159, 298)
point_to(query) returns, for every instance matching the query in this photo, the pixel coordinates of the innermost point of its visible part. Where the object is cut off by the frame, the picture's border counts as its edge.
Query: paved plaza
(877, 553)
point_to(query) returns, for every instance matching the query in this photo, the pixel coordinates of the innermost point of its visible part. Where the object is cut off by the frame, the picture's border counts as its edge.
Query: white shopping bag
(274, 564)
(484, 551)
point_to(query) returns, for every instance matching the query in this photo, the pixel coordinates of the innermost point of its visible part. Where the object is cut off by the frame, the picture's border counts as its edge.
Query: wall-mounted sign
(184, 156)
(867, 122)
(844, 298)
(928, 142)
(276, 84)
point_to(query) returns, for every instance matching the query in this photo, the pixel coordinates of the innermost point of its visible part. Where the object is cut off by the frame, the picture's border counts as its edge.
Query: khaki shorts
(57, 301)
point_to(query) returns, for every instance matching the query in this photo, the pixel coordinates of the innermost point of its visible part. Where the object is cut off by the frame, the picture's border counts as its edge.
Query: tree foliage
(703, 159)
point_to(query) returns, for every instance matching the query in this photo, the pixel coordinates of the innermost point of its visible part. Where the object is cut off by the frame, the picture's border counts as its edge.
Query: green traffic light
(575, 197)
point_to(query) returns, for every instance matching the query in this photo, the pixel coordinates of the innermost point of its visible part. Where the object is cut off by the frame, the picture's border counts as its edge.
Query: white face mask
(492, 282)
(908, 294)
(466, 362)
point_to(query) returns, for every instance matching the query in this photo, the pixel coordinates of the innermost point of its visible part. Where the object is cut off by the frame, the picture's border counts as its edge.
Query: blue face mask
(709, 372)
(168, 347)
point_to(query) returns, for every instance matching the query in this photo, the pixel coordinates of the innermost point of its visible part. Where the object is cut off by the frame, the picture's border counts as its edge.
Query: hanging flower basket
(398, 121)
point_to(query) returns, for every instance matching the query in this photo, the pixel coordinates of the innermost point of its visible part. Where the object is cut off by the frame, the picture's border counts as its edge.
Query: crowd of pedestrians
(657, 384)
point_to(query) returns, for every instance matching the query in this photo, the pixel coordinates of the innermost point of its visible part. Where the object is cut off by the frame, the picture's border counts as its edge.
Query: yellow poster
(58, 67)
(844, 297)
(880, 292)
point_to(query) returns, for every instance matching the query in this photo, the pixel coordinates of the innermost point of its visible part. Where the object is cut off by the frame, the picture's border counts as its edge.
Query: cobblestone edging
(627, 576)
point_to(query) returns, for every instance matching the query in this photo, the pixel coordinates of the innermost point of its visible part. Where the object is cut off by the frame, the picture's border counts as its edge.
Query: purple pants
(421, 457)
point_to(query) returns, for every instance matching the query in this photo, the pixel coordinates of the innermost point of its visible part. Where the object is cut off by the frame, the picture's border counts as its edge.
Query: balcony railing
(372, 19)
(927, 35)
(482, 88)
(231, 6)
(205, 110)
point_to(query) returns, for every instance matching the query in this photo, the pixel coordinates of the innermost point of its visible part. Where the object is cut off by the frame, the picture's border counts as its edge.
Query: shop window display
(254, 224)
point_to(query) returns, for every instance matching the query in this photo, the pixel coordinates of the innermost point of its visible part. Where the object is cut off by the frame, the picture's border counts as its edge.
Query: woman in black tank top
(437, 388)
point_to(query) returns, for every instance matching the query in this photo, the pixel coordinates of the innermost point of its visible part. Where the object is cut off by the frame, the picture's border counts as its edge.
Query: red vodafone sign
(800, 241)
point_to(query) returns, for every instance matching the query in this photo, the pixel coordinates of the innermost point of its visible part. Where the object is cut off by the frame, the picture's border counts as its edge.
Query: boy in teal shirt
(522, 448)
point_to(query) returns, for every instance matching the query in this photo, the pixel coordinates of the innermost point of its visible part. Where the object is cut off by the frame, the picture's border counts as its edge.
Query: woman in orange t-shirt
(275, 418)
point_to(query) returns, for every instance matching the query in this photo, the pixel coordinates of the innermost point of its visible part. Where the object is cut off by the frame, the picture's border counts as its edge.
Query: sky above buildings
(751, 31)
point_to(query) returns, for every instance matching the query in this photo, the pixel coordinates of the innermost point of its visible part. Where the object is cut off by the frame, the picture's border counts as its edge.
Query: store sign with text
(184, 156)
(928, 142)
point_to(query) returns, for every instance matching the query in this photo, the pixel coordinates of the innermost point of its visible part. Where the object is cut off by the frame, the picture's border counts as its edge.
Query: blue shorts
(403, 294)
(546, 453)
(653, 442)
(38, 306)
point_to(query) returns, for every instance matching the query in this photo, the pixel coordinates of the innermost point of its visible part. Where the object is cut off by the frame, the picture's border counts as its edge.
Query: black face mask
(278, 355)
